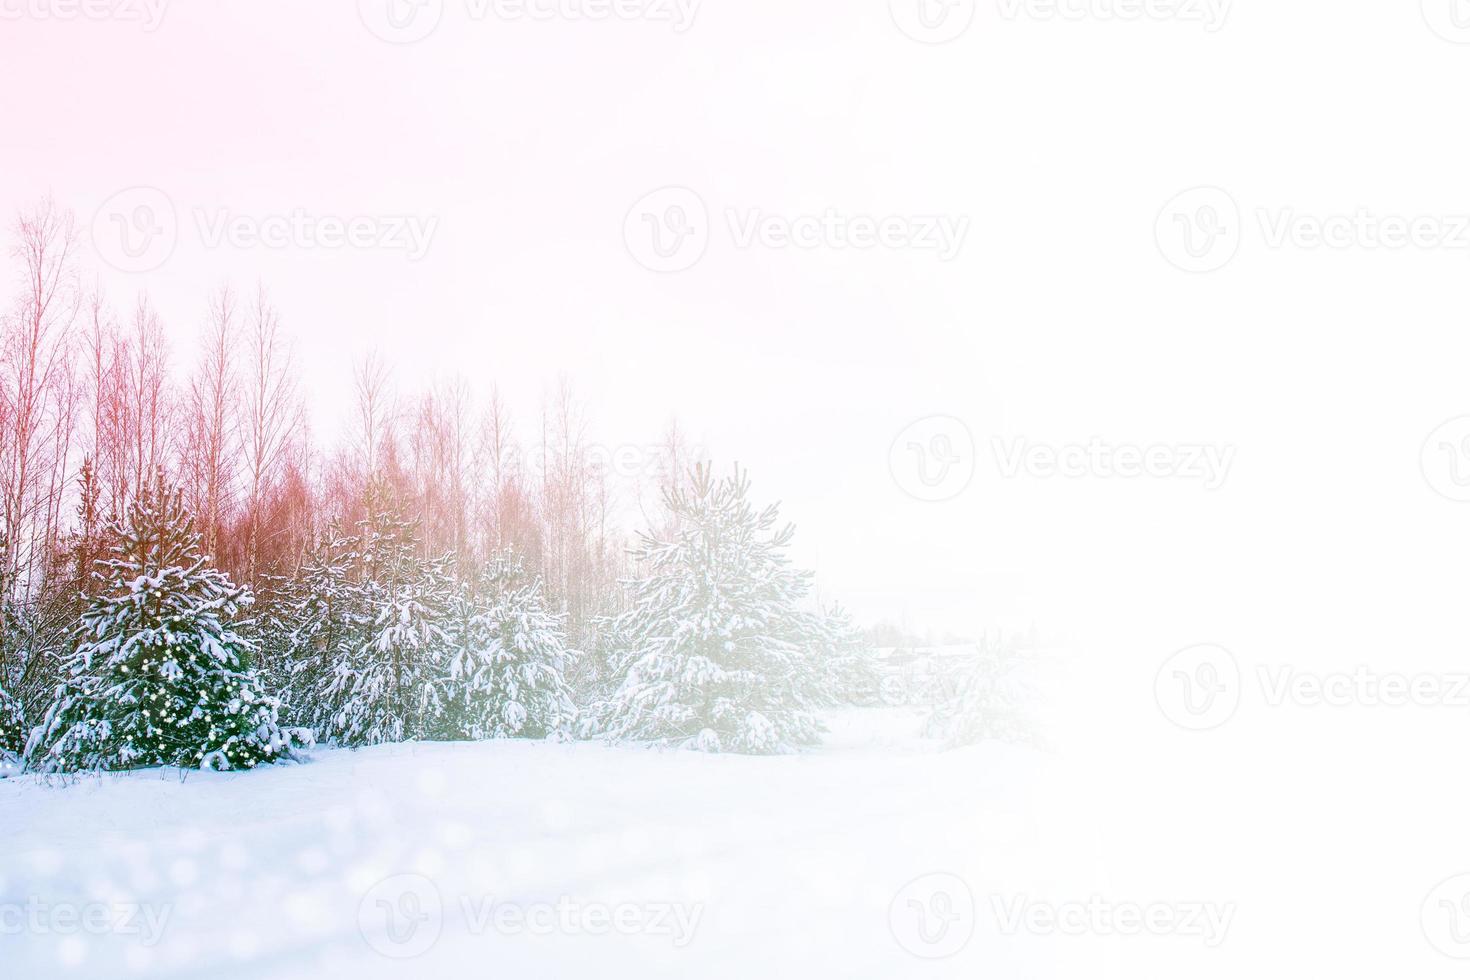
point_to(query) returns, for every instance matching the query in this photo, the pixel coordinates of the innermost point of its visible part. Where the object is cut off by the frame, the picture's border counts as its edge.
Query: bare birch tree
(272, 417)
(212, 424)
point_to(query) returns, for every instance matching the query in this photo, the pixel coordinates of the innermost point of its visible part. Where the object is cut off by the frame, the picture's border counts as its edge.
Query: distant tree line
(427, 575)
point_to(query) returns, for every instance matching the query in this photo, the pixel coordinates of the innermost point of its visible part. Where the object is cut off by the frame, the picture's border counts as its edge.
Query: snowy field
(527, 859)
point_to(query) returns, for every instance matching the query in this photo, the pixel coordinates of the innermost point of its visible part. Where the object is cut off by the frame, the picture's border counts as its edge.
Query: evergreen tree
(37, 634)
(993, 699)
(718, 656)
(13, 664)
(847, 663)
(505, 676)
(382, 689)
(320, 619)
(40, 637)
(161, 675)
(599, 668)
(16, 662)
(12, 727)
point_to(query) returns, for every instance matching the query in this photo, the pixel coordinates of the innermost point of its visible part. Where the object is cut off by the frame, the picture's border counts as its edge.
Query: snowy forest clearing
(514, 858)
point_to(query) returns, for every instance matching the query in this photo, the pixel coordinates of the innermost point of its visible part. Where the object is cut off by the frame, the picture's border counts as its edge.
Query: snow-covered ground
(526, 859)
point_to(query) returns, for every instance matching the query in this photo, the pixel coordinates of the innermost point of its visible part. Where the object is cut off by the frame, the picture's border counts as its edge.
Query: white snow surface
(754, 866)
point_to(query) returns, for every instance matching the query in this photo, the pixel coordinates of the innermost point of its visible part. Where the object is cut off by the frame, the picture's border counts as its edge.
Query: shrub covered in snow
(160, 675)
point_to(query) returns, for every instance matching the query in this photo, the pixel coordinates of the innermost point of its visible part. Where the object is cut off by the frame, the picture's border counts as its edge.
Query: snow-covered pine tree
(12, 669)
(382, 689)
(717, 657)
(12, 728)
(847, 662)
(38, 633)
(15, 659)
(599, 668)
(160, 675)
(506, 670)
(320, 618)
(270, 638)
(993, 700)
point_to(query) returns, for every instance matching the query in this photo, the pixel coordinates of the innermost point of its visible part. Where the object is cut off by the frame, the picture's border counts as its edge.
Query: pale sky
(526, 143)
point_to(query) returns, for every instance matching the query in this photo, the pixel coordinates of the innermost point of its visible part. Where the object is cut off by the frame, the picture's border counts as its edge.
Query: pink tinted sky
(528, 142)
